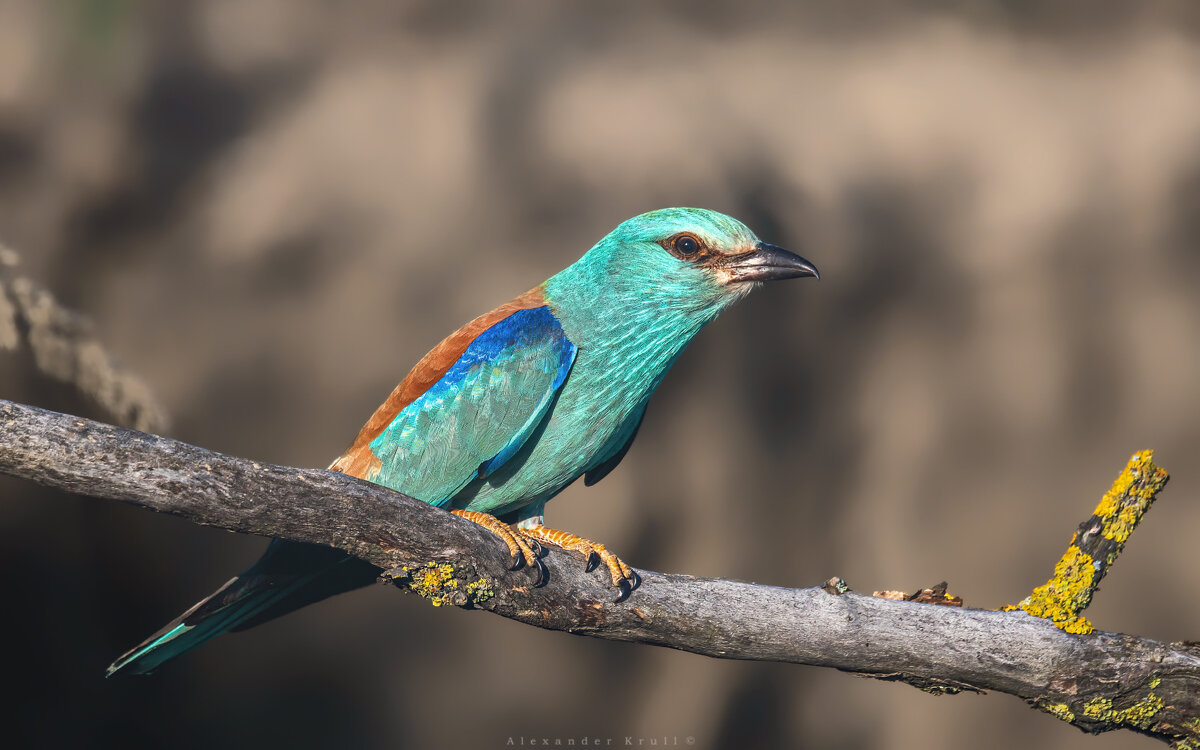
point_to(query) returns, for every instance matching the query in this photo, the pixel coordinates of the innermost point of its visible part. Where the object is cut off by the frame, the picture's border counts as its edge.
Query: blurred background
(269, 209)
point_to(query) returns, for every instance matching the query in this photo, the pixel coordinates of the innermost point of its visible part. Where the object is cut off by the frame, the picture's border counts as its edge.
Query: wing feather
(480, 412)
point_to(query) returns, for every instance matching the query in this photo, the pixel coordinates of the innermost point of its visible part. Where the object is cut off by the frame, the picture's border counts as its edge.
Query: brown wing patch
(358, 460)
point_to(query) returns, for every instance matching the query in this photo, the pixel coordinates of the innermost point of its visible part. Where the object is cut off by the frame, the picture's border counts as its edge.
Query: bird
(516, 405)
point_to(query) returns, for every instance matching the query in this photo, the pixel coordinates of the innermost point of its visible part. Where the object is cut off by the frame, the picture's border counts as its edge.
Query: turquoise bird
(514, 406)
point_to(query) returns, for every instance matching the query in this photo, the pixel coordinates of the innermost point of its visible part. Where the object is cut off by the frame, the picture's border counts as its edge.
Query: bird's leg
(518, 546)
(622, 574)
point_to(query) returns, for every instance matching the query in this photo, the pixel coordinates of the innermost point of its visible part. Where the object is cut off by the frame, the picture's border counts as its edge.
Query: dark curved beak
(769, 263)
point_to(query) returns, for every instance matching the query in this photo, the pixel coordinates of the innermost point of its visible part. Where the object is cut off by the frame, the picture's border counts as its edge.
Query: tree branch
(1097, 681)
(64, 347)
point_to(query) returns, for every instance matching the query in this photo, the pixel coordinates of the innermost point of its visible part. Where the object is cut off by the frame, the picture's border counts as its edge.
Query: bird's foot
(518, 546)
(623, 576)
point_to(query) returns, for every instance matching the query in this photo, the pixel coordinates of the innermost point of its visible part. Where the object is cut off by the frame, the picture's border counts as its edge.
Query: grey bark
(1097, 682)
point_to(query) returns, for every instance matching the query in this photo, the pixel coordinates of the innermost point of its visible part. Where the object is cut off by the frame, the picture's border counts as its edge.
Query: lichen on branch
(1097, 682)
(1095, 546)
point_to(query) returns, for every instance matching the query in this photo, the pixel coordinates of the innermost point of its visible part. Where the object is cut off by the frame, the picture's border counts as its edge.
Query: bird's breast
(592, 415)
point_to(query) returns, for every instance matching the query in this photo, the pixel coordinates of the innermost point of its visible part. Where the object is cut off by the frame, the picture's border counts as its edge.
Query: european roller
(514, 406)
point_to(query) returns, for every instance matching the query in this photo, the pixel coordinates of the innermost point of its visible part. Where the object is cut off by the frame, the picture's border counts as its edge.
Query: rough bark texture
(1096, 681)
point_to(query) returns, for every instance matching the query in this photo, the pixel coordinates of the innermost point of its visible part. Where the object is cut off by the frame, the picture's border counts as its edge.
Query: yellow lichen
(1192, 742)
(1079, 625)
(1096, 708)
(438, 583)
(1138, 715)
(1193, 727)
(1068, 593)
(1123, 506)
(1061, 710)
(1064, 596)
(480, 591)
(432, 582)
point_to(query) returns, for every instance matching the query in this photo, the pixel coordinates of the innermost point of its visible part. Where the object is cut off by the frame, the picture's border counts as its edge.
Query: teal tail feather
(289, 576)
(197, 626)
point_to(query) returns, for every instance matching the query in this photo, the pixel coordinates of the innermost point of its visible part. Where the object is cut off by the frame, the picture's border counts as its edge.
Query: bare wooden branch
(1097, 681)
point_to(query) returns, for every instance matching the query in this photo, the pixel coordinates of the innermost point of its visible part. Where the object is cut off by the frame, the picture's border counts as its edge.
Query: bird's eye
(686, 244)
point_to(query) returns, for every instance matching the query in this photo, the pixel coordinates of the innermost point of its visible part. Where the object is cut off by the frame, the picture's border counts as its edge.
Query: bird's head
(688, 260)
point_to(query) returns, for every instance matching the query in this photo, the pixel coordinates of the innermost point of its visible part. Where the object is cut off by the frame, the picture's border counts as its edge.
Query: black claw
(542, 573)
(593, 560)
(622, 591)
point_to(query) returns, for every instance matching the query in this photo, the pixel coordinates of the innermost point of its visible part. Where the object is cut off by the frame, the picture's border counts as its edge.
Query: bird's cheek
(730, 284)
(723, 275)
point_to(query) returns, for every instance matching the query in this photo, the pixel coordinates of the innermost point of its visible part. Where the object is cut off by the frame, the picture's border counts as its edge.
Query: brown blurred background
(271, 208)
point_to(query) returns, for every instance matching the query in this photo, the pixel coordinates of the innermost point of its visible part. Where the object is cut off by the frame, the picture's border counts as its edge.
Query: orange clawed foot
(518, 545)
(623, 576)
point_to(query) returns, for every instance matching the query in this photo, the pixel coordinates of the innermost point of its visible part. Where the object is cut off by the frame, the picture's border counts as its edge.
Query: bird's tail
(289, 576)
(221, 612)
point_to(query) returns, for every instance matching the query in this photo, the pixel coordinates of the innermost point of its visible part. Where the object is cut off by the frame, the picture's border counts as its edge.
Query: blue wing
(481, 411)
(466, 423)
